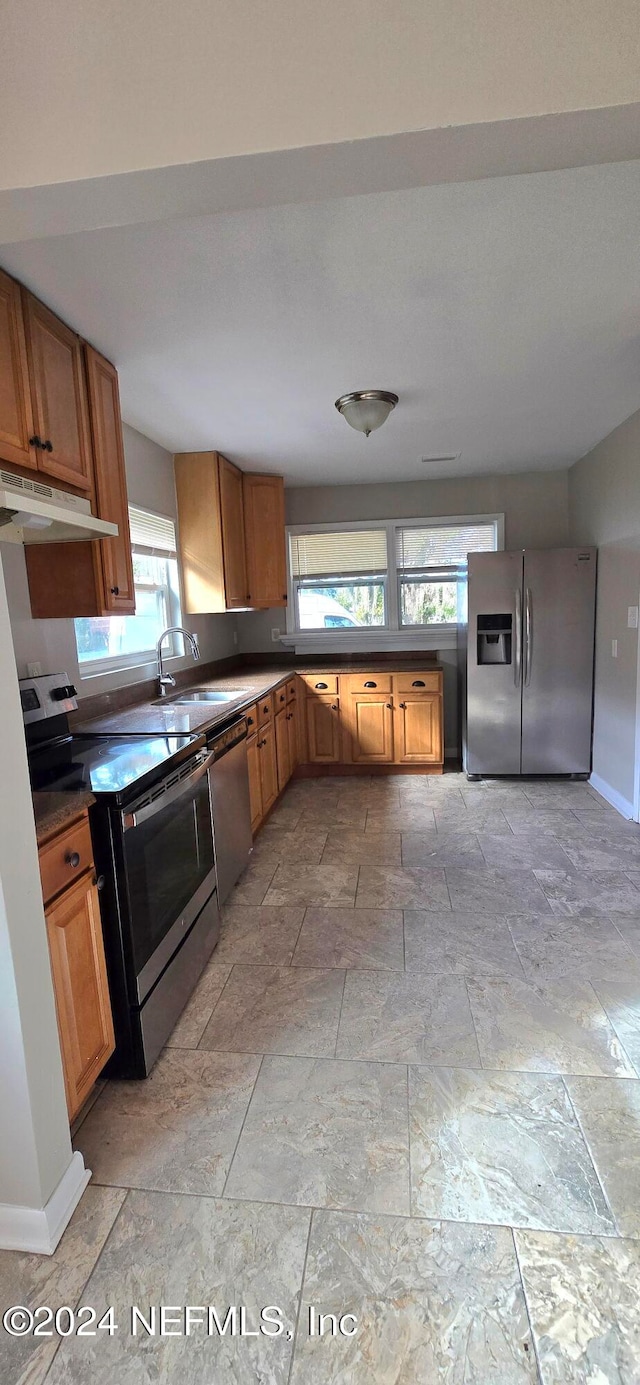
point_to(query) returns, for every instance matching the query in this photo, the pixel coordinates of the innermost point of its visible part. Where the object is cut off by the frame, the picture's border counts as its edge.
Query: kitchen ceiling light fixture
(366, 410)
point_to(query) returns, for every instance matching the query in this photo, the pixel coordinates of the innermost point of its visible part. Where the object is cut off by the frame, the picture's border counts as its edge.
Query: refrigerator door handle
(517, 672)
(528, 636)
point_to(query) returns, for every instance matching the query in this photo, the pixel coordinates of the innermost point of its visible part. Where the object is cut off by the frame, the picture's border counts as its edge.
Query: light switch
(614, 649)
(275, 634)
(632, 617)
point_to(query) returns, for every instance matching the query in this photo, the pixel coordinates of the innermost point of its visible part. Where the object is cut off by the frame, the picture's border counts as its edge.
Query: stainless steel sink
(210, 695)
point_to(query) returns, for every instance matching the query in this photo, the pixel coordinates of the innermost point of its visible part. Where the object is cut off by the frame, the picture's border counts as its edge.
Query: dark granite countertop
(52, 811)
(158, 718)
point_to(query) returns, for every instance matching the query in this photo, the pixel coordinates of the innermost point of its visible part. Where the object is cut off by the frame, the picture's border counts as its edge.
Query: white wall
(144, 85)
(604, 506)
(52, 642)
(535, 506)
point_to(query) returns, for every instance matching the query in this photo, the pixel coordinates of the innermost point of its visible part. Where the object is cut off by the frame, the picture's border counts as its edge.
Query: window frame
(116, 663)
(393, 634)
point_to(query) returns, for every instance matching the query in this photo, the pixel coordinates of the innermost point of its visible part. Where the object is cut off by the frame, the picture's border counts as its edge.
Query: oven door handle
(149, 810)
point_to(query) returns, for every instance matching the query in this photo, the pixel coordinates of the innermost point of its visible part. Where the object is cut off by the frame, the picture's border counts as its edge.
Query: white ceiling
(505, 313)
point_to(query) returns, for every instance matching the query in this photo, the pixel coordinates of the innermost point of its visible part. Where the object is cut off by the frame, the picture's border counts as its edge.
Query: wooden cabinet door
(265, 540)
(58, 395)
(294, 734)
(111, 482)
(418, 729)
(16, 421)
(80, 984)
(232, 519)
(255, 789)
(323, 730)
(283, 758)
(369, 721)
(268, 767)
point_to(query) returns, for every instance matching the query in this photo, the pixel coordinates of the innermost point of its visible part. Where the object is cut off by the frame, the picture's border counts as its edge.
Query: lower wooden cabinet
(268, 766)
(324, 740)
(283, 754)
(293, 719)
(255, 787)
(418, 732)
(81, 991)
(369, 722)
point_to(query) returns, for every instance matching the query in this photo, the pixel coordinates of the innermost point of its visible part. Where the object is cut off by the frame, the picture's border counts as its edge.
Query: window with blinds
(430, 562)
(339, 578)
(339, 554)
(152, 534)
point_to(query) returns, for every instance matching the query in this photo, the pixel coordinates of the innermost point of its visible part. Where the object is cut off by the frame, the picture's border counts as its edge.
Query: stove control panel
(46, 696)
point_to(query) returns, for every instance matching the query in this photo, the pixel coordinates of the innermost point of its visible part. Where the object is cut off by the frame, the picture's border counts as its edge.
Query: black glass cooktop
(113, 765)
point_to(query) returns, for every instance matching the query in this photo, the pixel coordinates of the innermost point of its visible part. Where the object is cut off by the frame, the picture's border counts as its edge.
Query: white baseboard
(622, 805)
(39, 1229)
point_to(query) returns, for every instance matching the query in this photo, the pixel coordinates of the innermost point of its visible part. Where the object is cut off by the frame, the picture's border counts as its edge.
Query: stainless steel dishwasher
(229, 784)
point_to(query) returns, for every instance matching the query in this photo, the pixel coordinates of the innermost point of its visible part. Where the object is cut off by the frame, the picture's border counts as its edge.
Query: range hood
(33, 512)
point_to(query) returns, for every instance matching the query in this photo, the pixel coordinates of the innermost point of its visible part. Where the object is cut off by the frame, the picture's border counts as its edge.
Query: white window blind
(154, 535)
(420, 547)
(344, 553)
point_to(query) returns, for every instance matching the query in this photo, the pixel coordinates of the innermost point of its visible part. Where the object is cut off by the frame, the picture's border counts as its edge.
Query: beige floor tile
(407, 1019)
(444, 848)
(333, 884)
(621, 1000)
(433, 1301)
(175, 1132)
(459, 943)
(501, 1148)
(406, 887)
(404, 819)
(192, 1250)
(590, 893)
(609, 1114)
(487, 890)
(326, 1133)
(317, 815)
(278, 844)
(253, 883)
(521, 851)
(362, 848)
(483, 818)
(197, 1012)
(583, 1294)
(556, 1027)
(579, 949)
(367, 938)
(277, 1010)
(54, 1280)
(259, 933)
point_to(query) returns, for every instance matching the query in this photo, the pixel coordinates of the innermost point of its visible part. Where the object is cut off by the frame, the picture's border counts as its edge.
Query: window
(394, 575)
(340, 578)
(114, 642)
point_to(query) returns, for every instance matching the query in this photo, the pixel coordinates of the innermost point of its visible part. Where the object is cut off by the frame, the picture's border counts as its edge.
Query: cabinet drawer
(291, 689)
(265, 709)
(64, 858)
(252, 718)
(368, 682)
(417, 682)
(280, 696)
(321, 682)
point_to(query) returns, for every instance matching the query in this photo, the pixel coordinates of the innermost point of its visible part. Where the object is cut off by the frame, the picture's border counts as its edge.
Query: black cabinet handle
(371, 685)
(334, 706)
(98, 881)
(35, 441)
(403, 704)
(322, 685)
(390, 706)
(249, 721)
(283, 697)
(284, 596)
(73, 859)
(48, 446)
(419, 683)
(115, 591)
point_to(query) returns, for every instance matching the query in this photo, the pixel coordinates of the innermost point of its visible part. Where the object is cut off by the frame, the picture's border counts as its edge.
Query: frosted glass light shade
(366, 410)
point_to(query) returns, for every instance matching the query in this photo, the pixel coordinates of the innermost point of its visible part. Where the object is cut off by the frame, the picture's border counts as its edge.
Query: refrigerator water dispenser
(494, 639)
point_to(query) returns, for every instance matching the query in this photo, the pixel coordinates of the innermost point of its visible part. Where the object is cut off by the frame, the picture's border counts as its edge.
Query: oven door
(167, 842)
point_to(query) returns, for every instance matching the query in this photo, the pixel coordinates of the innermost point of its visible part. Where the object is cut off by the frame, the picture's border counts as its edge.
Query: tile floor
(406, 1089)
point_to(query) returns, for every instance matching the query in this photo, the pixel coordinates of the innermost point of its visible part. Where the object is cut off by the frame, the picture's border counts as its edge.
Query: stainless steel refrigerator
(529, 662)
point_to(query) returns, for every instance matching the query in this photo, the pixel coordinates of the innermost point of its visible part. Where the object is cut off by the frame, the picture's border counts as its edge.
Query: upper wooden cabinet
(16, 419)
(58, 396)
(231, 535)
(233, 546)
(265, 540)
(91, 579)
(118, 595)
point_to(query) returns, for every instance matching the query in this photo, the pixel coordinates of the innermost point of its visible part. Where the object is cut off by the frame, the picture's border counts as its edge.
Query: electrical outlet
(632, 617)
(614, 649)
(275, 634)
(34, 670)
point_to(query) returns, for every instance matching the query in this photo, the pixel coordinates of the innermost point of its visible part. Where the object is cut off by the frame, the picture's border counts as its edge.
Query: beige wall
(137, 86)
(52, 642)
(604, 505)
